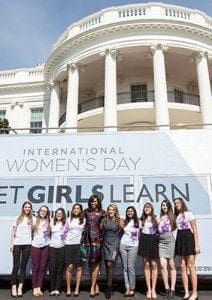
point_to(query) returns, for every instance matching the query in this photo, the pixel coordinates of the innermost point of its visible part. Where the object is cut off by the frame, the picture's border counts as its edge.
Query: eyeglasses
(147, 206)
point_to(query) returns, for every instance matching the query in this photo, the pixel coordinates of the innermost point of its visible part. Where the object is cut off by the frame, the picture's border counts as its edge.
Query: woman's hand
(197, 249)
(122, 223)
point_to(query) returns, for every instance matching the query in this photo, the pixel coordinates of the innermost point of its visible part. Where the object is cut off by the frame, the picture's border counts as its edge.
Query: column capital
(73, 66)
(198, 55)
(16, 102)
(112, 51)
(154, 48)
(52, 84)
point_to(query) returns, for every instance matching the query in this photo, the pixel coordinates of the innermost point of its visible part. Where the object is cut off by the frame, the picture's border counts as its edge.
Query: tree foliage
(4, 126)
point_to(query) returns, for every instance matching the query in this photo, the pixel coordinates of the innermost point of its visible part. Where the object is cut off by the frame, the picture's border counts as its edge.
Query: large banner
(122, 168)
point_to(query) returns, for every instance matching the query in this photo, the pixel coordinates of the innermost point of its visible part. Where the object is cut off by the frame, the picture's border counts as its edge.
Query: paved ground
(205, 290)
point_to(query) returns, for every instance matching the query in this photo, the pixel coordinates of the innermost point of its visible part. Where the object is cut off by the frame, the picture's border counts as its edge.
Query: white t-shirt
(183, 220)
(23, 233)
(41, 235)
(58, 235)
(148, 226)
(74, 233)
(164, 224)
(130, 236)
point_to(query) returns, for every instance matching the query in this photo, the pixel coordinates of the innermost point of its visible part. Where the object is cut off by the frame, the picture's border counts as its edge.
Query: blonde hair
(117, 216)
(22, 214)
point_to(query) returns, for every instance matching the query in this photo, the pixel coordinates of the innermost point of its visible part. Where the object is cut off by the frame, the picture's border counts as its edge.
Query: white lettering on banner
(71, 165)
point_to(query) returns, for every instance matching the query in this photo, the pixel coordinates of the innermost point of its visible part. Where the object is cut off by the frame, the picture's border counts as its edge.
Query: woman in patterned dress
(92, 239)
(187, 246)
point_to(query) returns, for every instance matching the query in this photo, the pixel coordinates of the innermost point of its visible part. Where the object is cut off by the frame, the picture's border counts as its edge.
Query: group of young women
(94, 235)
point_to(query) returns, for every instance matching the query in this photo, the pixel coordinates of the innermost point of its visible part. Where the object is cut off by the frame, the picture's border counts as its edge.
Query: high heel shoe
(92, 294)
(20, 293)
(97, 290)
(167, 293)
(13, 295)
(171, 294)
(13, 292)
(131, 293)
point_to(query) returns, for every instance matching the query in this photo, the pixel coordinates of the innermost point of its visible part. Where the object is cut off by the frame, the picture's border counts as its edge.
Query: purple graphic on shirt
(152, 230)
(46, 234)
(165, 224)
(183, 222)
(134, 235)
(64, 233)
(149, 227)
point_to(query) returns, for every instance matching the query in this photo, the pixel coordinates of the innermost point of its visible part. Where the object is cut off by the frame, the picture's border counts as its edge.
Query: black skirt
(72, 254)
(185, 244)
(148, 246)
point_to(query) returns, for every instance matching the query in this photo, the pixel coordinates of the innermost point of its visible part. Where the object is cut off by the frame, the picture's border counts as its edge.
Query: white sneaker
(57, 293)
(52, 293)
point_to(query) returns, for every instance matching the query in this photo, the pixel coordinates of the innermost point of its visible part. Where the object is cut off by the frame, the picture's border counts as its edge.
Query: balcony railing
(141, 11)
(126, 97)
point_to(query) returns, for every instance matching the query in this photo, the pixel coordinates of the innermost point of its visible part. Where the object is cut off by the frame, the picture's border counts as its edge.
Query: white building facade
(133, 67)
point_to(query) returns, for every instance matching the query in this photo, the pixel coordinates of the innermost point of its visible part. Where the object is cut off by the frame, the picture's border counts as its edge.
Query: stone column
(160, 87)
(54, 108)
(110, 100)
(72, 97)
(204, 89)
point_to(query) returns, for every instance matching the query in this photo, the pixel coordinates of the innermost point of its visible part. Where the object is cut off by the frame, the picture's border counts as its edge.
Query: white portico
(145, 66)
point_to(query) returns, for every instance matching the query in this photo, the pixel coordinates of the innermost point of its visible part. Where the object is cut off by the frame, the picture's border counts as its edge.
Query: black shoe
(108, 292)
(167, 293)
(171, 294)
(92, 295)
(68, 294)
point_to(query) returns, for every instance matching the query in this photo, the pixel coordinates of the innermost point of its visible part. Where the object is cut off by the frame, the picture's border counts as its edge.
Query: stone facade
(134, 67)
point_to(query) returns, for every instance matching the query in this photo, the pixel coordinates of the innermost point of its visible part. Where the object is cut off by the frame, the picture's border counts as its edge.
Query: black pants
(56, 267)
(21, 255)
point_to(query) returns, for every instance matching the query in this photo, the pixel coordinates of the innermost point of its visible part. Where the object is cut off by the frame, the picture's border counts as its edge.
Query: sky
(29, 28)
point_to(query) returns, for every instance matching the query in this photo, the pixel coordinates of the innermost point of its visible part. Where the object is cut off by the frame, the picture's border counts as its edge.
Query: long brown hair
(81, 214)
(22, 214)
(183, 208)
(170, 213)
(134, 218)
(38, 218)
(152, 215)
(63, 220)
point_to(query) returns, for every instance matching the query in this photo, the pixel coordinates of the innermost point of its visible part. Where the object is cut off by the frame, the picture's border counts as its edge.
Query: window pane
(36, 120)
(139, 93)
(178, 96)
(2, 114)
